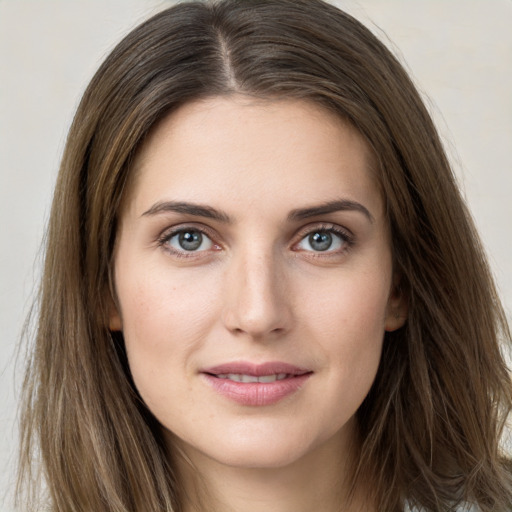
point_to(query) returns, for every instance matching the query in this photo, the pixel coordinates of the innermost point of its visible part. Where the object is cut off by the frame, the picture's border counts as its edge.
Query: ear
(397, 307)
(114, 317)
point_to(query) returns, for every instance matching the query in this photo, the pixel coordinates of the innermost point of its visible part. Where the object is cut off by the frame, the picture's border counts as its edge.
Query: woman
(262, 289)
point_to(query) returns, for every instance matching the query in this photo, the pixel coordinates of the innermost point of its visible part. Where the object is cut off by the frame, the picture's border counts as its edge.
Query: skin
(257, 290)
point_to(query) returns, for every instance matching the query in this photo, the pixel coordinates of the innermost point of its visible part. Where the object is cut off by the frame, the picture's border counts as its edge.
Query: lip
(256, 393)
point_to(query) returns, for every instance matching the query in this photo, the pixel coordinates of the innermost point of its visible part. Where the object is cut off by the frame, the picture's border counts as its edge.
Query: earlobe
(114, 318)
(115, 323)
(397, 308)
(394, 321)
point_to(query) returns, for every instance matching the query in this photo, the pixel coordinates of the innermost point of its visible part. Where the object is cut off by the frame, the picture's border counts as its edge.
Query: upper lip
(256, 370)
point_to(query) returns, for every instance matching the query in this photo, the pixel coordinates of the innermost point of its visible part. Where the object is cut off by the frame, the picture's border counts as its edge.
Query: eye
(324, 240)
(188, 240)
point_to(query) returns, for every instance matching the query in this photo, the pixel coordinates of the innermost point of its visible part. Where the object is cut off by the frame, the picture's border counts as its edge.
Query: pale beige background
(458, 51)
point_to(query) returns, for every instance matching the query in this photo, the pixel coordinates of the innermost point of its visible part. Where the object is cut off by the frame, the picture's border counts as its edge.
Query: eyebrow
(330, 207)
(208, 212)
(197, 210)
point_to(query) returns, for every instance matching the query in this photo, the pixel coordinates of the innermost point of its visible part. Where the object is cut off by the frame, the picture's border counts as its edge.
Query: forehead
(214, 149)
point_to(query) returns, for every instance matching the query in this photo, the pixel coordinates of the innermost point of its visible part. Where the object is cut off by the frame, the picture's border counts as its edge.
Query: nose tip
(257, 303)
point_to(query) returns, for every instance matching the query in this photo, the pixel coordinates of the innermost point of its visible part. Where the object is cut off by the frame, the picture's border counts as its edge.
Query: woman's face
(254, 279)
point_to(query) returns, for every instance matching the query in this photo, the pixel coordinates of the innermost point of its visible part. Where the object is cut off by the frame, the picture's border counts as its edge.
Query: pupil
(190, 240)
(320, 241)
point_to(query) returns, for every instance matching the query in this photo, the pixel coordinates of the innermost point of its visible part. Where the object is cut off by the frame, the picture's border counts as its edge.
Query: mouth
(237, 377)
(256, 385)
(272, 368)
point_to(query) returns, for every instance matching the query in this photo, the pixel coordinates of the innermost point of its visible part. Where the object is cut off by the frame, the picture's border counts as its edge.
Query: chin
(259, 457)
(259, 448)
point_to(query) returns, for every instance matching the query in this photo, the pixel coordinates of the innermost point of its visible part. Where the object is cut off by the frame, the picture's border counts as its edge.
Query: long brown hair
(431, 424)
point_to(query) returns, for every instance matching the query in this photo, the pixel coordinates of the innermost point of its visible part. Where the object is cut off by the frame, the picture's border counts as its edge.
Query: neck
(320, 477)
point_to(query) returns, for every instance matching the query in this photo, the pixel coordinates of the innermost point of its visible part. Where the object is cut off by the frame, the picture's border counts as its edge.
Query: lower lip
(256, 393)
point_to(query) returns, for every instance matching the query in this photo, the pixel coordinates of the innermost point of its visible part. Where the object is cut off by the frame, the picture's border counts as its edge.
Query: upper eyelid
(324, 226)
(169, 232)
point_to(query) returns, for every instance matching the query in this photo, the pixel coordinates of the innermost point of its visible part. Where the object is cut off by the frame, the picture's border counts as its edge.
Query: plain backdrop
(459, 53)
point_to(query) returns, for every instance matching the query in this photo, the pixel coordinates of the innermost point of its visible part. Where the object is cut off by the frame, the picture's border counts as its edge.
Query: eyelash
(345, 235)
(167, 236)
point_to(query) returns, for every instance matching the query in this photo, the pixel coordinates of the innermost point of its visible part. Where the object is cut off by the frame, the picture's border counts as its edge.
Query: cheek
(352, 306)
(164, 303)
(349, 322)
(165, 320)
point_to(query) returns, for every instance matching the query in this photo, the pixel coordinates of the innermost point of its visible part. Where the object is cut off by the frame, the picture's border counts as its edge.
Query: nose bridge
(256, 303)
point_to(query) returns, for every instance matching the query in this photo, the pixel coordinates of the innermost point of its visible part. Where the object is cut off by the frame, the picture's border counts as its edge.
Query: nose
(257, 303)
